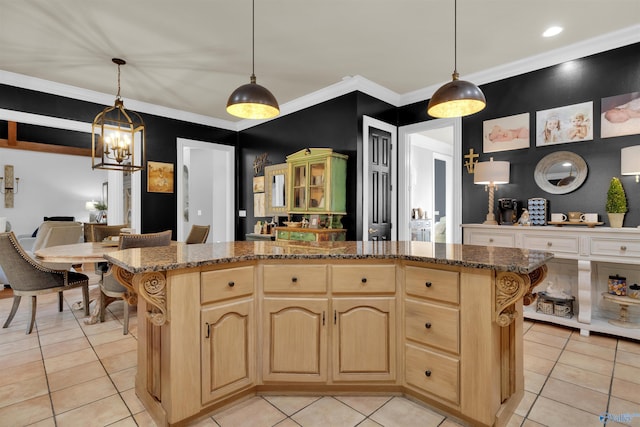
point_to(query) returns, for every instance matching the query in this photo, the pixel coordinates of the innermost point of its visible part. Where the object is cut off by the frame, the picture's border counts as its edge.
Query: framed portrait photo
(506, 133)
(572, 123)
(159, 177)
(620, 115)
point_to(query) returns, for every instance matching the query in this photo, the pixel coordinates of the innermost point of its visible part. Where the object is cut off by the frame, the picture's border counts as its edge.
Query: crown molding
(623, 37)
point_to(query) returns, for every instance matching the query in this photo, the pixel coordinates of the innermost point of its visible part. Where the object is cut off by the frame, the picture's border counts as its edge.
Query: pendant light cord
(253, 37)
(118, 94)
(455, 36)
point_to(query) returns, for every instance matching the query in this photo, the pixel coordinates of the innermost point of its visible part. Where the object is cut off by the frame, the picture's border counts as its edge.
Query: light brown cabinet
(228, 332)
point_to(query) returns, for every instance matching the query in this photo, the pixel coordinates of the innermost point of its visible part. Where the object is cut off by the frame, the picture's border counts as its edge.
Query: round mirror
(561, 172)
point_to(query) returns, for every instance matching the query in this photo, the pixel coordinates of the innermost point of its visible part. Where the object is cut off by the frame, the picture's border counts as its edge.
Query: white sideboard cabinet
(584, 258)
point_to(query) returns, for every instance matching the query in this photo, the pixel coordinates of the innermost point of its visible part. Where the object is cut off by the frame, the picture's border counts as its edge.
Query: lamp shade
(457, 98)
(90, 206)
(630, 160)
(488, 173)
(252, 101)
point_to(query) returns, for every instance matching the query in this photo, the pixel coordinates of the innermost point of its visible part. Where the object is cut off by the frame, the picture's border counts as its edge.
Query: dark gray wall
(591, 78)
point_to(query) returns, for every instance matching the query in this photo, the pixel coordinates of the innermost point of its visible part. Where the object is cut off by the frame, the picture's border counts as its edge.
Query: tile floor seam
(46, 376)
(555, 363)
(615, 355)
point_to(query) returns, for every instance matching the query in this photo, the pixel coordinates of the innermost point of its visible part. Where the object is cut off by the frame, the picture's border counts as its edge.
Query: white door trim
(368, 122)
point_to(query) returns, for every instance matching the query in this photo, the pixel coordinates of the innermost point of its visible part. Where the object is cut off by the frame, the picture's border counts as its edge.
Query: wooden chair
(109, 285)
(29, 278)
(198, 234)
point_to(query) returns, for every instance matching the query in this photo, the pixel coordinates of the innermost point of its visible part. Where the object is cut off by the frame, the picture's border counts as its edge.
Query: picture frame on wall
(159, 177)
(258, 184)
(506, 133)
(571, 123)
(259, 205)
(620, 115)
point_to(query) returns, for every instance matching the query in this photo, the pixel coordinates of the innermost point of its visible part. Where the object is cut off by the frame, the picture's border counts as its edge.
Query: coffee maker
(508, 211)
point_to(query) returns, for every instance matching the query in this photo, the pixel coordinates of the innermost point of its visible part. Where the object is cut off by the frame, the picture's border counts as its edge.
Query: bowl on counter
(293, 223)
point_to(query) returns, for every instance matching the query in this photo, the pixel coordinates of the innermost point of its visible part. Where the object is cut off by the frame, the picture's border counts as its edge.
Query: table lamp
(630, 161)
(491, 174)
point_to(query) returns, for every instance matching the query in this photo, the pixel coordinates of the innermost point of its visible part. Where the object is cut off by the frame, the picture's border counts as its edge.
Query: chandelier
(115, 132)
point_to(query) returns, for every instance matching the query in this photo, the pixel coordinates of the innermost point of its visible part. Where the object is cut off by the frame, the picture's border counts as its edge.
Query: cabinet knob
(294, 279)
(549, 244)
(490, 240)
(427, 325)
(427, 373)
(623, 248)
(231, 284)
(364, 280)
(428, 284)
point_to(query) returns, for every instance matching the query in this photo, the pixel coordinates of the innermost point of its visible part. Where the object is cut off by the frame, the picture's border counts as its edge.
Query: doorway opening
(429, 176)
(205, 188)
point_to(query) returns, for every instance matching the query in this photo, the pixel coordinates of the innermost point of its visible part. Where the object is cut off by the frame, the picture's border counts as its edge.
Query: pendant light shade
(252, 101)
(115, 132)
(457, 98)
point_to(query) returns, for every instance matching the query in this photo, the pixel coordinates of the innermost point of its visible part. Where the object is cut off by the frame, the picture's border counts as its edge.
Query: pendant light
(113, 136)
(252, 101)
(459, 97)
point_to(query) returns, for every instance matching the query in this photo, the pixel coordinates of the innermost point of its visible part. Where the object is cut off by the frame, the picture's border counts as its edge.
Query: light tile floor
(67, 373)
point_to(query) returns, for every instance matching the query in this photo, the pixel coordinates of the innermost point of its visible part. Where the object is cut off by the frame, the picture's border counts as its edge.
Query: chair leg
(14, 309)
(103, 305)
(85, 297)
(126, 318)
(60, 302)
(34, 304)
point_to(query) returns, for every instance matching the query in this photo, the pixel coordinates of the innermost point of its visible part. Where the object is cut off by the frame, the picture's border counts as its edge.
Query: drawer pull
(428, 284)
(623, 248)
(231, 284)
(364, 280)
(427, 325)
(427, 373)
(549, 244)
(294, 279)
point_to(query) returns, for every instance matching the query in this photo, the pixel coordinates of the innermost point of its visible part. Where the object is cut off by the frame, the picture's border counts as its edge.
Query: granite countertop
(184, 256)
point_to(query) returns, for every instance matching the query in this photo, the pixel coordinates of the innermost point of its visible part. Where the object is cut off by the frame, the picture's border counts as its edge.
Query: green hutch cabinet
(317, 185)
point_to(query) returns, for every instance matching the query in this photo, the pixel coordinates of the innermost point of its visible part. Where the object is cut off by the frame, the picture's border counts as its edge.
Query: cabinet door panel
(295, 339)
(364, 344)
(228, 361)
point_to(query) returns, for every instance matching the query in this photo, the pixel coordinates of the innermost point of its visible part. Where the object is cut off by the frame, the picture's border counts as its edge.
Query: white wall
(50, 185)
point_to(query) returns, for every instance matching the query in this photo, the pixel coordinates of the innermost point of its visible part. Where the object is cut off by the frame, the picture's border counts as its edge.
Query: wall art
(506, 133)
(159, 177)
(572, 123)
(620, 115)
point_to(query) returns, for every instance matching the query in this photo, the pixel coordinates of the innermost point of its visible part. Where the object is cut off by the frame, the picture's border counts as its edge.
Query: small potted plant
(102, 212)
(616, 203)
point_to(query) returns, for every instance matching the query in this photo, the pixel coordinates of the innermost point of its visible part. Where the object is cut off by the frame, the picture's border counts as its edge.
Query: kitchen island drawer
(364, 278)
(433, 372)
(220, 285)
(433, 325)
(435, 284)
(283, 278)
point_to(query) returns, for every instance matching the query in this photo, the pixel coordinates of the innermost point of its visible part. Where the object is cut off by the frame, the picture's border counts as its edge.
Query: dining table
(81, 253)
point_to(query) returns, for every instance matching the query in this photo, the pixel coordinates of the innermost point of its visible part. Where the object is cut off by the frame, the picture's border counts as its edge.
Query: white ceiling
(190, 55)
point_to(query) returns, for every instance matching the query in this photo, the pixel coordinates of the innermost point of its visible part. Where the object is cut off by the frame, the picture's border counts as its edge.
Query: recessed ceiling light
(552, 31)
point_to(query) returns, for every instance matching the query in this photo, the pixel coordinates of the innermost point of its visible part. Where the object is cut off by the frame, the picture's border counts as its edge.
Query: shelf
(561, 223)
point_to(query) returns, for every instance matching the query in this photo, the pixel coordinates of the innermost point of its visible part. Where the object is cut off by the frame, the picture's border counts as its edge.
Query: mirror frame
(269, 173)
(543, 166)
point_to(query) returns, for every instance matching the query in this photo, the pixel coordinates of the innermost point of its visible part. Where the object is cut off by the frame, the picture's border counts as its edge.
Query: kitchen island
(441, 323)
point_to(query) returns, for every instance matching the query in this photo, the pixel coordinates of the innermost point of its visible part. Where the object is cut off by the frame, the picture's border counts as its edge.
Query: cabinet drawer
(615, 247)
(224, 284)
(484, 238)
(433, 372)
(295, 278)
(433, 325)
(558, 244)
(435, 284)
(365, 278)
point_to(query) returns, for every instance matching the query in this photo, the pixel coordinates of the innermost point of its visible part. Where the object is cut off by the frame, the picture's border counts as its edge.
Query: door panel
(379, 221)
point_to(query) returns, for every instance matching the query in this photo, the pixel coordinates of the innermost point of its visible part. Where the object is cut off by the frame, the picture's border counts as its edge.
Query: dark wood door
(379, 221)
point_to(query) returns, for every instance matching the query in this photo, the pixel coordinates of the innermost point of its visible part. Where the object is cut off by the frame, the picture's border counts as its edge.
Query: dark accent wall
(592, 78)
(158, 209)
(335, 124)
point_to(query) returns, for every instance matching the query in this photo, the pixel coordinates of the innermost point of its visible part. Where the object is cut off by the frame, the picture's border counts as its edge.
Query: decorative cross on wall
(472, 159)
